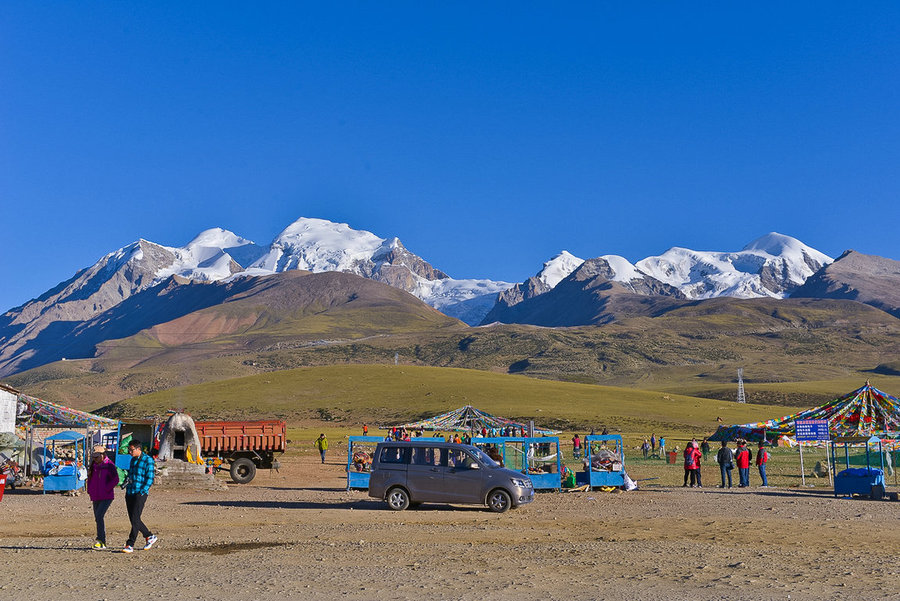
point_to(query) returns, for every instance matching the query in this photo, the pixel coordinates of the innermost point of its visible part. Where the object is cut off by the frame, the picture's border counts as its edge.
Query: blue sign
(811, 429)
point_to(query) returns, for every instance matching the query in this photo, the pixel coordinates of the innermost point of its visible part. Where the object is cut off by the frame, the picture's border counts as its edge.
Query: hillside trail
(299, 534)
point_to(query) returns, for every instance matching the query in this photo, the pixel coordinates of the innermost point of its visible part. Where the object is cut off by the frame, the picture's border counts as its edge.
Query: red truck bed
(226, 437)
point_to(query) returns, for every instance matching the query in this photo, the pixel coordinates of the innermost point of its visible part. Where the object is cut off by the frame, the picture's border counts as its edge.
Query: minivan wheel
(397, 499)
(499, 501)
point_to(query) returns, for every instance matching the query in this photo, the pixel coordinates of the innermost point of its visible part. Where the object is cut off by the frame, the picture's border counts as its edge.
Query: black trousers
(135, 506)
(100, 508)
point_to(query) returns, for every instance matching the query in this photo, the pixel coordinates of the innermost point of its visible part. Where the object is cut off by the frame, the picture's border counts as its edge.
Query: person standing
(101, 486)
(725, 458)
(141, 474)
(762, 458)
(662, 447)
(653, 444)
(697, 455)
(365, 429)
(322, 444)
(645, 448)
(576, 447)
(742, 459)
(704, 447)
(690, 465)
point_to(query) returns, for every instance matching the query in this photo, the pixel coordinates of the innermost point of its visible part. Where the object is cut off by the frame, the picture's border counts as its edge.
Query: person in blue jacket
(137, 485)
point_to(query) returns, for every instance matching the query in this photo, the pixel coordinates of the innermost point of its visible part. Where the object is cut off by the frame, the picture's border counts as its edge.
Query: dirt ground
(299, 534)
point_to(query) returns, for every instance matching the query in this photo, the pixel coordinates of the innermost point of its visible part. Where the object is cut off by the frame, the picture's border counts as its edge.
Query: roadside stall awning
(863, 412)
(469, 419)
(45, 412)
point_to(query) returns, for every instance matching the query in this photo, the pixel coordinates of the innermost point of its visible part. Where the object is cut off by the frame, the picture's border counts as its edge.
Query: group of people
(727, 460)
(742, 457)
(103, 477)
(649, 447)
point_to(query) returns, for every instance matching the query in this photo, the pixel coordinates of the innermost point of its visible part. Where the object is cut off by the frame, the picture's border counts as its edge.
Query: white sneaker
(151, 540)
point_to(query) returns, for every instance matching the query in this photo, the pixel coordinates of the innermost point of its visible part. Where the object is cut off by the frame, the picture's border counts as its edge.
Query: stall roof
(863, 412)
(468, 419)
(46, 412)
(67, 435)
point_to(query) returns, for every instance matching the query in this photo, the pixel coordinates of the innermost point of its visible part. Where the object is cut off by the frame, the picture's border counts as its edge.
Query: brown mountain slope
(868, 279)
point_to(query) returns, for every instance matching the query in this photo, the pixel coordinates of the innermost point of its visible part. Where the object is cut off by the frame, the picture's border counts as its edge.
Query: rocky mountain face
(566, 291)
(177, 311)
(594, 293)
(772, 266)
(867, 279)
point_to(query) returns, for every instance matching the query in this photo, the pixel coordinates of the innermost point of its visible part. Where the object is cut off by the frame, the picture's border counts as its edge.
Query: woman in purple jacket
(101, 483)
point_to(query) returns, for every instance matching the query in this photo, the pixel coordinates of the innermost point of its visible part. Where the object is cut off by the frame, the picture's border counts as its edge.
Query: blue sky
(487, 138)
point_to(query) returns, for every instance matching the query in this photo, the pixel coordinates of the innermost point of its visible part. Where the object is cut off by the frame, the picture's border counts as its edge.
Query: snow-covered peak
(216, 238)
(624, 270)
(558, 268)
(776, 244)
(320, 245)
(772, 265)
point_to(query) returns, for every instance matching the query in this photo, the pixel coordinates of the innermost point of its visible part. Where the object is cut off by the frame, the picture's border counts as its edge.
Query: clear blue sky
(487, 138)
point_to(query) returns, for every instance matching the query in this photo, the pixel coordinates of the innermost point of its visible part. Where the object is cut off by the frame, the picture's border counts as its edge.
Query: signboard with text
(811, 429)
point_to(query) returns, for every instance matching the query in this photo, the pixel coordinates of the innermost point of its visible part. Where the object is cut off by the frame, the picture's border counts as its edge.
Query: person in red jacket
(691, 464)
(742, 459)
(762, 458)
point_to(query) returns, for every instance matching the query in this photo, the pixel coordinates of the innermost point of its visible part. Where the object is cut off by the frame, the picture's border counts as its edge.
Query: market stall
(604, 462)
(864, 481)
(65, 467)
(538, 457)
(360, 450)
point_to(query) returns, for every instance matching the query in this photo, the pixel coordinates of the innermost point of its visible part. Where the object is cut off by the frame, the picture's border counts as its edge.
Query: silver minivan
(429, 470)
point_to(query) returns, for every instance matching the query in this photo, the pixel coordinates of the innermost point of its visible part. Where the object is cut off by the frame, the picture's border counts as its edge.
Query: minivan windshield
(483, 457)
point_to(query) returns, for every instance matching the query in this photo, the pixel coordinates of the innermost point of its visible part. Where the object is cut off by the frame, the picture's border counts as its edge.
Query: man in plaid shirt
(137, 486)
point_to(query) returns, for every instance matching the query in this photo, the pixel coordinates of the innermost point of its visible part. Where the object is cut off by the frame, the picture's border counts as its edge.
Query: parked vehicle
(242, 447)
(406, 474)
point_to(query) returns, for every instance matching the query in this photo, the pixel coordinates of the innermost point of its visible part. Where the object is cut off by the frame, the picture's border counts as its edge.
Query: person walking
(101, 486)
(322, 444)
(662, 447)
(645, 448)
(742, 459)
(762, 458)
(725, 458)
(141, 474)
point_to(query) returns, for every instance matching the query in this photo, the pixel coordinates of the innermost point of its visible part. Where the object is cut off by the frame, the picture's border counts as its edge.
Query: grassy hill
(695, 349)
(350, 395)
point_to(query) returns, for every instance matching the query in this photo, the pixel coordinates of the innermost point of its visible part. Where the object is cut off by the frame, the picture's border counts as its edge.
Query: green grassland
(345, 396)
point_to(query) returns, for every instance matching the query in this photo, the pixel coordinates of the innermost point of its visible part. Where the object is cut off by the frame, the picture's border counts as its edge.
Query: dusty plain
(298, 534)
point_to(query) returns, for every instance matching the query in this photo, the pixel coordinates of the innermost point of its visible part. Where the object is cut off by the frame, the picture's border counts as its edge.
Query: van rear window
(394, 455)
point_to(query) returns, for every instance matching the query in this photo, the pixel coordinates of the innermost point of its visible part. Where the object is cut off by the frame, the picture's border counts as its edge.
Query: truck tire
(242, 470)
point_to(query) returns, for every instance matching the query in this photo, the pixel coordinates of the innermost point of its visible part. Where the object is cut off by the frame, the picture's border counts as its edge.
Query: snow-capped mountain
(773, 265)
(318, 245)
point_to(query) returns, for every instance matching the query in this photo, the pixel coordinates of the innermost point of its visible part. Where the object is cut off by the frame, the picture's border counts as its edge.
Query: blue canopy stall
(538, 457)
(360, 450)
(69, 474)
(865, 481)
(604, 461)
